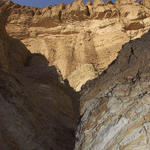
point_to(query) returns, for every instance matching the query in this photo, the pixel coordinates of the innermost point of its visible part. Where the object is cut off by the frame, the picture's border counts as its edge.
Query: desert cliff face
(38, 108)
(115, 107)
(13, 53)
(76, 37)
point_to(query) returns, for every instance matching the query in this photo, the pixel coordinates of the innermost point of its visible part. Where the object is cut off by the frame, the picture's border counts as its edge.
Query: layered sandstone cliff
(39, 110)
(77, 37)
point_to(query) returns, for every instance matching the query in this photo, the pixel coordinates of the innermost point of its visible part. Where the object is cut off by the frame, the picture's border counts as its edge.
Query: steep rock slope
(77, 37)
(36, 111)
(115, 107)
(13, 53)
(34, 115)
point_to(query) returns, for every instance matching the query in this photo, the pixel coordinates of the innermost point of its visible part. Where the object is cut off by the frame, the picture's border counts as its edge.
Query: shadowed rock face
(115, 107)
(34, 115)
(36, 111)
(75, 36)
(40, 111)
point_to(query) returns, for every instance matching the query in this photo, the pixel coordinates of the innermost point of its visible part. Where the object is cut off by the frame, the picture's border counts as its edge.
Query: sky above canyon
(43, 3)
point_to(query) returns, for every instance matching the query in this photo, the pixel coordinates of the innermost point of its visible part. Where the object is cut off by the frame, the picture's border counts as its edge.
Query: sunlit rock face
(13, 53)
(76, 35)
(121, 2)
(40, 111)
(146, 3)
(115, 108)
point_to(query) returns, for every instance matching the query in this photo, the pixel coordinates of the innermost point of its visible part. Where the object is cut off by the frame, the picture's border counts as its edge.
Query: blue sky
(43, 3)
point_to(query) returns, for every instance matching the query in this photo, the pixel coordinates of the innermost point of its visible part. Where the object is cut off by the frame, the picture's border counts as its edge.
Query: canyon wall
(13, 53)
(36, 111)
(115, 107)
(38, 108)
(77, 37)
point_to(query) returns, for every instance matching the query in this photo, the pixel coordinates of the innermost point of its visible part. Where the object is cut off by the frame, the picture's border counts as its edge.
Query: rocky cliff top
(51, 16)
(77, 37)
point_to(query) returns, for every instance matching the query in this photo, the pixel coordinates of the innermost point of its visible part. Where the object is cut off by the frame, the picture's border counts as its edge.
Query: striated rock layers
(115, 107)
(38, 109)
(75, 36)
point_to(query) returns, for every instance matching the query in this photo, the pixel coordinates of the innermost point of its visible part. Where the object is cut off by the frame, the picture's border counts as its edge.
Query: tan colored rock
(98, 2)
(122, 2)
(3, 36)
(75, 11)
(81, 75)
(100, 10)
(38, 110)
(75, 34)
(146, 3)
(13, 53)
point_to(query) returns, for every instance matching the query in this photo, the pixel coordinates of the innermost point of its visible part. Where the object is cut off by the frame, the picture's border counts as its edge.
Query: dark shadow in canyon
(37, 67)
(35, 103)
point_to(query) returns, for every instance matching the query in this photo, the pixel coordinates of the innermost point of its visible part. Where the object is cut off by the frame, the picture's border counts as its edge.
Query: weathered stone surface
(12, 52)
(115, 107)
(36, 110)
(75, 34)
(39, 111)
(122, 2)
(34, 115)
(146, 3)
(79, 77)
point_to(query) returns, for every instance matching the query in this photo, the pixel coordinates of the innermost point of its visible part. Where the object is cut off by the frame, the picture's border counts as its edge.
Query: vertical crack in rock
(88, 11)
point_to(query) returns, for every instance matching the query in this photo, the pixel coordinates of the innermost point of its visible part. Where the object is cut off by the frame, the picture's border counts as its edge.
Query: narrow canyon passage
(39, 110)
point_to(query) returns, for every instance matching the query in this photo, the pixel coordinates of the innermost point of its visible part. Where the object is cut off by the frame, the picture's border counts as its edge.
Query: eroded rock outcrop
(146, 3)
(79, 34)
(13, 53)
(115, 107)
(34, 115)
(36, 110)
